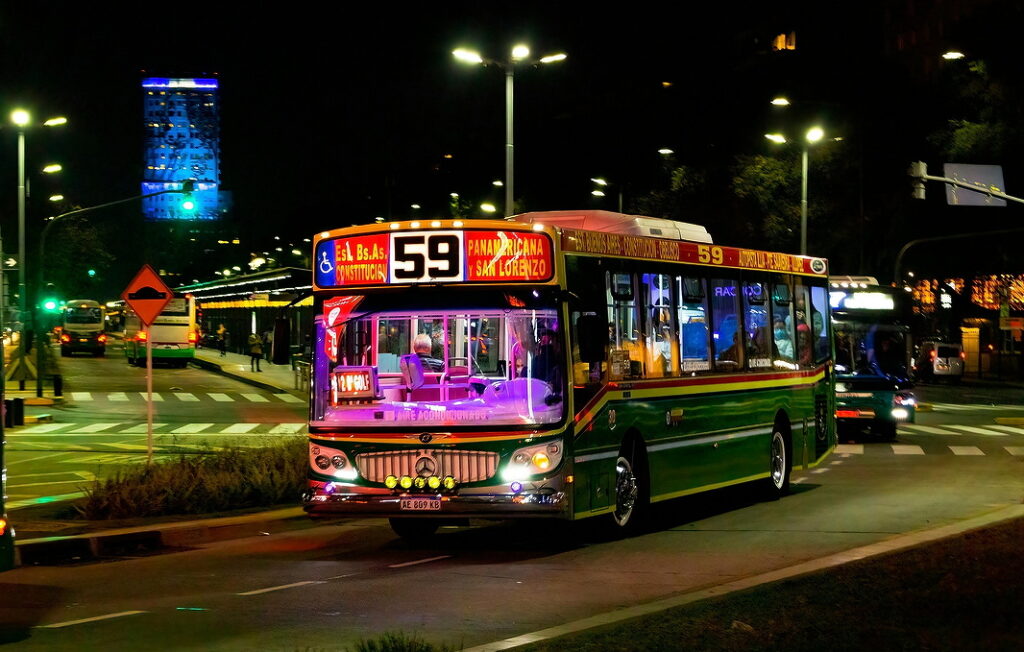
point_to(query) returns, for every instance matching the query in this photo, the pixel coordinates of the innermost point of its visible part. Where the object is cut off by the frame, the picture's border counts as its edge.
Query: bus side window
(759, 344)
(662, 357)
(624, 337)
(692, 320)
(727, 336)
(782, 320)
(801, 326)
(819, 323)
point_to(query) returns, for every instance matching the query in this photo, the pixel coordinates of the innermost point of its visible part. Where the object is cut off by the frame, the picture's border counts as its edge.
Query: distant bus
(173, 332)
(873, 355)
(569, 364)
(83, 328)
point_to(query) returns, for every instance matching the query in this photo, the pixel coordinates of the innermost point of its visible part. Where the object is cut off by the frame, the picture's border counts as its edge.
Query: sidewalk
(271, 377)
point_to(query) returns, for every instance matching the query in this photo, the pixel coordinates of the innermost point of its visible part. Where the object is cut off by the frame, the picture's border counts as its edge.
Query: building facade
(182, 141)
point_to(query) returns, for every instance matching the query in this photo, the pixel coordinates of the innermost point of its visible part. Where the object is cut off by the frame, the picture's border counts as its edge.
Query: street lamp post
(520, 54)
(21, 119)
(813, 135)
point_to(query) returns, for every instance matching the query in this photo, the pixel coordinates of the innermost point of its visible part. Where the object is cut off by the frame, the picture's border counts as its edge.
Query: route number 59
(709, 254)
(435, 256)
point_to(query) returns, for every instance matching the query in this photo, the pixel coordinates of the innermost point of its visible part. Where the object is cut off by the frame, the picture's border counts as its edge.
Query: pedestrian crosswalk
(103, 429)
(972, 407)
(993, 430)
(913, 449)
(184, 397)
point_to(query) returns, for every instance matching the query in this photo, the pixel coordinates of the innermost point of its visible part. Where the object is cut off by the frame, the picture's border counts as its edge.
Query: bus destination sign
(442, 256)
(614, 244)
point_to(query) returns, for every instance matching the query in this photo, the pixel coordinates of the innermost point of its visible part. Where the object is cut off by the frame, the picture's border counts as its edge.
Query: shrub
(398, 642)
(227, 479)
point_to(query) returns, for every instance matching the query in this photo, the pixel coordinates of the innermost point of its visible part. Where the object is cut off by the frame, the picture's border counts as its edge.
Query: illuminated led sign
(861, 301)
(442, 256)
(168, 82)
(354, 383)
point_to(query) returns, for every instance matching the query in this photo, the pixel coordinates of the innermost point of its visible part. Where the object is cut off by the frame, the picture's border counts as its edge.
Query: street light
(813, 135)
(22, 119)
(601, 184)
(519, 55)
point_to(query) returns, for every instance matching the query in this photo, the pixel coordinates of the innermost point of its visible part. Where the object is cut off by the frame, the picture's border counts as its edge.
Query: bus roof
(606, 221)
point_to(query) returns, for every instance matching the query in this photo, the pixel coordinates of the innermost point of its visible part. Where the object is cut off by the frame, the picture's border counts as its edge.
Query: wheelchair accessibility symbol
(325, 265)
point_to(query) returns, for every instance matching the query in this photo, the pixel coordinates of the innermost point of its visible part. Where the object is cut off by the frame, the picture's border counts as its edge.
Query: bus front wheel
(414, 529)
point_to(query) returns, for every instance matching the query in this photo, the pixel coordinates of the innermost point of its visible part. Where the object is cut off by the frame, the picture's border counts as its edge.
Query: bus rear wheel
(414, 529)
(779, 466)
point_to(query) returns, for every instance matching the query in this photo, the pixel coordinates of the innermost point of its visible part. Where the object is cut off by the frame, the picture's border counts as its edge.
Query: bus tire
(414, 529)
(780, 465)
(632, 488)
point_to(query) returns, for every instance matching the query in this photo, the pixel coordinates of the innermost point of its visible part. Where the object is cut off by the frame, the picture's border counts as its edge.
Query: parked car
(938, 360)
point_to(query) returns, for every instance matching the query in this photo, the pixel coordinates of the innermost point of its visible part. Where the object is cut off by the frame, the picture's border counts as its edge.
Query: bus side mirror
(591, 331)
(280, 350)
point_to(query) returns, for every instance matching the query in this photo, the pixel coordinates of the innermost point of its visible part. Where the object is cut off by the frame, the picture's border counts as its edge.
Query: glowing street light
(813, 135)
(519, 55)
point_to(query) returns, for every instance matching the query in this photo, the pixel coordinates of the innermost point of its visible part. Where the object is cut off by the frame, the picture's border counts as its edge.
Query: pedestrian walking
(222, 340)
(255, 351)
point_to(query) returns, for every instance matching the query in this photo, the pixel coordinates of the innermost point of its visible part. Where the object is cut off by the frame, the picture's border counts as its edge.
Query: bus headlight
(533, 460)
(331, 462)
(900, 413)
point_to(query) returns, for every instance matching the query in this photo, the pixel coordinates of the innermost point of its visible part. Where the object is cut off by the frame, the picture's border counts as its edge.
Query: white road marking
(1013, 430)
(220, 398)
(185, 396)
(279, 588)
(239, 428)
(68, 623)
(1015, 450)
(966, 450)
(419, 561)
(907, 449)
(190, 428)
(257, 398)
(97, 427)
(140, 429)
(156, 396)
(287, 428)
(850, 449)
(117, 396)
(81, 396)
(46, 427)
(929, 429)
(978, 431)
(288, 398)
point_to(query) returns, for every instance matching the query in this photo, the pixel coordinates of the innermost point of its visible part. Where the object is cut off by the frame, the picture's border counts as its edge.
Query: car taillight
(65, 337)
(934, 354)
(963, 355)
(192, 337)
(102, 338)
(142, 336)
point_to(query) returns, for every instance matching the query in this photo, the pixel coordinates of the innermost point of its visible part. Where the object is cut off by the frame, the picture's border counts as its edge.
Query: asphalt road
(327, 586)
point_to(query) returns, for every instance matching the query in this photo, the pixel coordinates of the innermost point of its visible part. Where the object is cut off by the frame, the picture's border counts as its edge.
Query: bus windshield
(872, 349)
(83, 316)
(433, 367)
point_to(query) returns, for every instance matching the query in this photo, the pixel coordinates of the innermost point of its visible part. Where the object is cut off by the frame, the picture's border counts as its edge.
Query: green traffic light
(50, 304)
(92, 272)
(188, 204)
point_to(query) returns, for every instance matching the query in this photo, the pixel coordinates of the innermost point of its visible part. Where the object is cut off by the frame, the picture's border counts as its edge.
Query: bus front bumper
(534, 500)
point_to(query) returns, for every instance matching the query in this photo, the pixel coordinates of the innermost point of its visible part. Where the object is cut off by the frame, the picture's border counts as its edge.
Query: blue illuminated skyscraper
(182, 127)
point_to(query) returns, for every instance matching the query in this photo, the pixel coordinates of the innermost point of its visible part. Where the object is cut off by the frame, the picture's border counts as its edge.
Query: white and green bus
(173, 332)
(565, 364)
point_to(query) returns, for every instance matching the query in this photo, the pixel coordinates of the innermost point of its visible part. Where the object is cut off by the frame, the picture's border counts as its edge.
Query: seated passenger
(421, 346)
(783, 344)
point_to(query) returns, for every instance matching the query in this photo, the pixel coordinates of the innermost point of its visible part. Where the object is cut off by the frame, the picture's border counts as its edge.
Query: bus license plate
(420, 504)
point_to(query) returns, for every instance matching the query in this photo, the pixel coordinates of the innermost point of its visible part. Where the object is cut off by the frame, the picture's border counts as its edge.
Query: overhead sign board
(984, 177)
(147, 294)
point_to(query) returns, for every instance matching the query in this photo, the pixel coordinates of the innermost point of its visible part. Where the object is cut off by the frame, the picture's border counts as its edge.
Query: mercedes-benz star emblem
(425, 466)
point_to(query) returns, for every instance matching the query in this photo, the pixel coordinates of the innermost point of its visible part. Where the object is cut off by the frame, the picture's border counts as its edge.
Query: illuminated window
(784, 42)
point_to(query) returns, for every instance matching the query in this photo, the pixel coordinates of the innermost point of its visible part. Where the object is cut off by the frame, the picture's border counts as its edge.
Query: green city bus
(570, 364)
(174, 333)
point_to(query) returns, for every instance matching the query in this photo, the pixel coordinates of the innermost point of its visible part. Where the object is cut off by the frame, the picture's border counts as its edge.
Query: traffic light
(91, 273)
(188, 203)
(918, 171)
(51, 304)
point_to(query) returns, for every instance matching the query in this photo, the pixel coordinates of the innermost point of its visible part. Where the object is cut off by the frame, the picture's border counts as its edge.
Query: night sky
(333, 115)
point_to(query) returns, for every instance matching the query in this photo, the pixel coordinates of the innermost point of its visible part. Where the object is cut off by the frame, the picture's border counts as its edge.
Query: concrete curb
(1010, 421)
(146, 539)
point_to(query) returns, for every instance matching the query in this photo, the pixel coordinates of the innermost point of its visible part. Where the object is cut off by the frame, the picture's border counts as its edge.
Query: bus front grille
(464, 466)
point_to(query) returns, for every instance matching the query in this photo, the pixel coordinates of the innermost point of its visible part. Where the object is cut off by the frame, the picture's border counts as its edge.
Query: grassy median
(220, 481)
